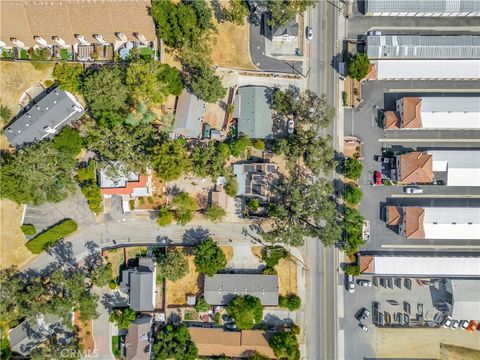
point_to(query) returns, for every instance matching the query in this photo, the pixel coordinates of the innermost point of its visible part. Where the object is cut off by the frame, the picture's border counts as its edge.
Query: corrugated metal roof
(255, 114)
(422, 6)
(221, 288)
(465, 299)
(423, 47)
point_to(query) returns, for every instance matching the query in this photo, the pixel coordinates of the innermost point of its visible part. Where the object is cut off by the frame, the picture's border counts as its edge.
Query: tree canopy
(173, 342)
(285, 345)
(68, 76)
(353, 194)
(236, 12)
(352, 168)
(173, 266)
(292, 302)
(171, 159)
(353, 231)
(122, 317)
(205, 84)
(246, 310)
(185, 206)
(209, 257)
(283, 11)
(215, 213)
(164, 216)
(358, 66)
(209, 159)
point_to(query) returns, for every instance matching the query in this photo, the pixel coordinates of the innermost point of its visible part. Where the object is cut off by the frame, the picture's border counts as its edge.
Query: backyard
(190, 284)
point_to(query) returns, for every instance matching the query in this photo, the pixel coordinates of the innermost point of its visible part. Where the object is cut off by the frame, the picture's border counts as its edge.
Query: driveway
(102, 328)
(75, 207)
(243, 259)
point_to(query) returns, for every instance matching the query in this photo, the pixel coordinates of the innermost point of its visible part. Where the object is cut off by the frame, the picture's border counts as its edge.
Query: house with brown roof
(394, 215)
(139, 339)
(414, 168)
(407, 115)
(236, 344)
(84, 26)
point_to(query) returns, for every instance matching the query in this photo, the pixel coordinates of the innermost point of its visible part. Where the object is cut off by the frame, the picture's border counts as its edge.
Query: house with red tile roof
(414, 168)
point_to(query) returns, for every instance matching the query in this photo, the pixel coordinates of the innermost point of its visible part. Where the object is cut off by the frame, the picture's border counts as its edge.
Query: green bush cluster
(291, 302)
(28, 229)
(353, 194)
(51, 236)
(352, 269)
(87, 181)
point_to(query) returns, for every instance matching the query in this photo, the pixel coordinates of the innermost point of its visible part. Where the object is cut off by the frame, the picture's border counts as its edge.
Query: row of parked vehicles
(468, 325)
(360, 282)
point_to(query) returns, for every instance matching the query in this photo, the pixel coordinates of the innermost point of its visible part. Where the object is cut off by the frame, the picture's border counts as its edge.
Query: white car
(447, 322)
(366, 231)
(413, 190)
(309, 33)
(366, 283)
(455, 324)
(363, 327)
(350, 284)
(464, 324)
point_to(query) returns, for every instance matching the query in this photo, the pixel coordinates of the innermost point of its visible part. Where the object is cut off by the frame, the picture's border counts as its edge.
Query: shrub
(344, 98)
(87, 181)
(217, 318)
(269, 271)
(215, 213)
(164, 217)
(173, 266)
(291, 302)
(28, 229)
(353, 194)
(246, 311)
(285, 345)
(5, 114)
(231, 188)
(209, 258)
(49, 83)
(273, 254)
(358, 66)
(202, 305)
(259, 144)
(253, 204)
(51, 236)
(112, 284)
(351, 269)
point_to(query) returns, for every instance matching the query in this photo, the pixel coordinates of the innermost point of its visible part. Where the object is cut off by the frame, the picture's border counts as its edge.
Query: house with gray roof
(287, 32)
(188, 115)
(44, 118)
(29, 334)
(138, 341)
(253, 178)
(220, 289)
(140, 283)
(253, 112)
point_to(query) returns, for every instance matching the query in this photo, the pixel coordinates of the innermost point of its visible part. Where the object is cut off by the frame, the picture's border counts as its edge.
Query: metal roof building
(254, 112)
(387, 69)
(462, 167)
(450, 112)
(220, 289)
(465, 296)
(188, 115)
(423, 47)
(420, 266)
(422, 8)
(45, 118)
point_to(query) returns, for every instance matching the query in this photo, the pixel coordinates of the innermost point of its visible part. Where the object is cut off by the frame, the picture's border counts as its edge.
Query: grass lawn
(23, 54)
(189, 285)
(146, 53)
(64, 55)
(116, 347)
(115, 257)
(12, 240)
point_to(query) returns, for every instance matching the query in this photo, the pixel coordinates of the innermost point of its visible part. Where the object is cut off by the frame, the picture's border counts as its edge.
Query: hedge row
(51, 236)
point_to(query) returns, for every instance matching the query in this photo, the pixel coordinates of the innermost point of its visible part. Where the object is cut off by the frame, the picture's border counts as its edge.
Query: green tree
(143, 79)
(353, 270)
(69, 142)
(353, 194)
(5, 352)
(209, 258)
(292, 302)
(5, 114)
(215, 213)
(285, 345)
(358, 66)
(129, 146)
(102, 275)
(246, 311)
(173, 342)
(253, 204)
(353, 231)
(259, 144)
(238, 146)
(311, 109)
(209, 159)
(185, 207)
(231, 187)
(171, 79)
(273, 254)
(283, 11)
(122, 317)
(284, 101)
(257, 356)
(68, 76)
(205, 84)
(171, 159)
(107, 94)
(164, 217)
(352, 168)
(39, 58)
(202, 305)
(237, 11)
(173, 266)
(37, 174)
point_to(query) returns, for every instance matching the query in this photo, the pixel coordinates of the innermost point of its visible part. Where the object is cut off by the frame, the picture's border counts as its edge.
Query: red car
(377, 175)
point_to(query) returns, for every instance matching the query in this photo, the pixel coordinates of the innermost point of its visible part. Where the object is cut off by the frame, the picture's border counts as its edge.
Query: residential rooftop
(254, 112)
(415, 167)
(45, 118)
(140, 285)
(189, 115)
(220, 289)
(422, 8)
(138, 339)
(462, 167)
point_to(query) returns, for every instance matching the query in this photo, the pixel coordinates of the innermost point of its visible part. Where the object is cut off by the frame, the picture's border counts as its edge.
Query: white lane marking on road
(431, 140)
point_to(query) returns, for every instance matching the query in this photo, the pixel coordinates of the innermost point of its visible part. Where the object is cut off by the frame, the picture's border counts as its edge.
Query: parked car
(309, 33)
(374, 32)
(363, 327)
(366, 231)
(447, 322)
(377, 175)
(290, 126)
(383, 159)
(363, 315)
(366, 283)
(455, 324)
(464, 324)
(231, 326)
(350, 284)
(413, 190)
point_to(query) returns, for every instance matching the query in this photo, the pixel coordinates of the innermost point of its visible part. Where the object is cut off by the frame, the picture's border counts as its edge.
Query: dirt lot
(287, 276)
(85, 333)
(191, 284)
(451, 352)
(228, 250)
(423, 343)
(12, 241)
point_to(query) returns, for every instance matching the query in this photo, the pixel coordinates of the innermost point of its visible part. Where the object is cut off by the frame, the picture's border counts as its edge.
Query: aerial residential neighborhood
(240, 179)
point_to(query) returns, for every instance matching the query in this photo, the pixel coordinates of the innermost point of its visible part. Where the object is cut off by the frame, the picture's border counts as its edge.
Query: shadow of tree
(218, 10)
(114, 300)
(195, 235)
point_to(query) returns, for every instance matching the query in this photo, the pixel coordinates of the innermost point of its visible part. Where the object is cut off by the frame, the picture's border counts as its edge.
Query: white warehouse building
(457, 167)
(422, 8)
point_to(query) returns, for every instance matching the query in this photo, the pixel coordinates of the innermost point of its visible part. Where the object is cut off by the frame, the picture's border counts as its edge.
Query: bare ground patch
(190, 284)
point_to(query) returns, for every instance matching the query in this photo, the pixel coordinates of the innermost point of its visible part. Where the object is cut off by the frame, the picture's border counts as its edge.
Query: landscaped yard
(115, 257)
(116, 347)
(191, 284)
(12, 241)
